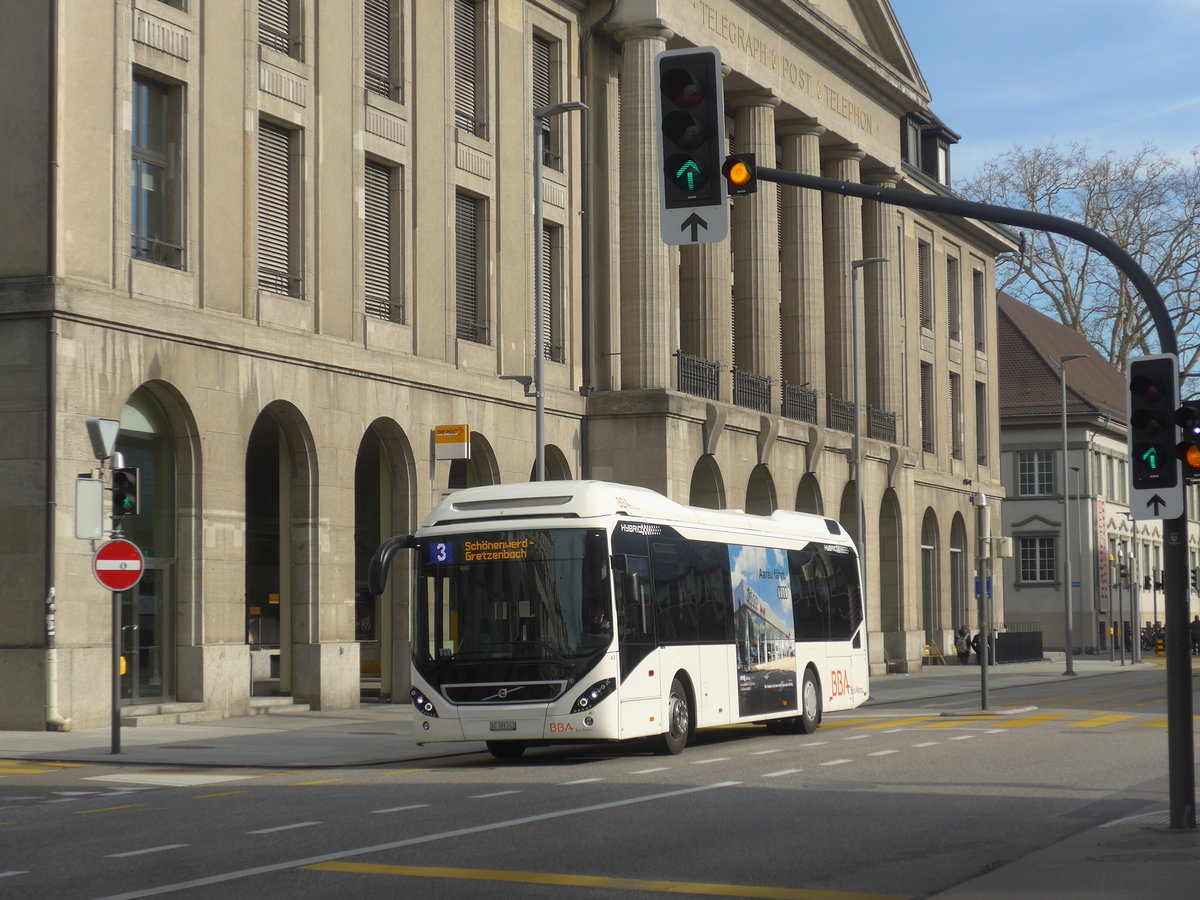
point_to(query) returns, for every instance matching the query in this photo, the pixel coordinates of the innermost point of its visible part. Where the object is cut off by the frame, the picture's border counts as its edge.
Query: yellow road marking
(844, 722)
(1028, 720)
(326, 781)
(1100, 721)
(404, 771)
(38, 762)
(221, 794)
(1155, 723)
(624, 884)
(957, 721)
(21, 770)
(84, 812)
(896, 723)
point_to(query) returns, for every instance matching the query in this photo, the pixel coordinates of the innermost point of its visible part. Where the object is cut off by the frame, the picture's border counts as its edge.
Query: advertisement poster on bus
(765, 630)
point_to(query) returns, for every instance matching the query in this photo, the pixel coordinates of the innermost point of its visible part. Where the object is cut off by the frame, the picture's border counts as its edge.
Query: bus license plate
(503, 726)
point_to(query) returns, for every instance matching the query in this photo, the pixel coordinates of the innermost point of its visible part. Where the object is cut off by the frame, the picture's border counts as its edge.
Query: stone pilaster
(802, 282)
(756, 242)
(884, 379)
(646, 269)
(842, 231)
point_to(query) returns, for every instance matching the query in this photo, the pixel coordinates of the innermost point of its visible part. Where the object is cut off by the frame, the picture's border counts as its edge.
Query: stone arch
(760, 492)
(282, 541)
(808, 495)
(480, 469)
(887, 598)
(958, 597)
(385, 504)
(707, 488)
(931, 588)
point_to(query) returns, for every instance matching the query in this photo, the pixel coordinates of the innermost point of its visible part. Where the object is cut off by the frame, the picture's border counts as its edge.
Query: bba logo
(840, 684)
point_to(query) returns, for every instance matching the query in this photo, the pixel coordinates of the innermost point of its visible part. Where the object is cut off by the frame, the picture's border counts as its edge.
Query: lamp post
(1067, 642)
(861, 534)
(1079, 547)
(540, 115)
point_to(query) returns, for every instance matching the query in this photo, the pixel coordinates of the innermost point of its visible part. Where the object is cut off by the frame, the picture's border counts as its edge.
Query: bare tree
(1148, 203)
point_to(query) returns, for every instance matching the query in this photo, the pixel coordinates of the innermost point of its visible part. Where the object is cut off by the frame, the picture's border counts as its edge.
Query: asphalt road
(889, 800)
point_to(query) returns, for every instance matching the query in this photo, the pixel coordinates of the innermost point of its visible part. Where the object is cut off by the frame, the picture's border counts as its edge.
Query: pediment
(1035, 522)
(873, 25)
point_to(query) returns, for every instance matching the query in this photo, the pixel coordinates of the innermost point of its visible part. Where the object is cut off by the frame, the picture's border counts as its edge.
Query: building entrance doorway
(147, 637)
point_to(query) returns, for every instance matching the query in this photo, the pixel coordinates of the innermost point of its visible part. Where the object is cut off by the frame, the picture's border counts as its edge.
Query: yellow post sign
(452, 442)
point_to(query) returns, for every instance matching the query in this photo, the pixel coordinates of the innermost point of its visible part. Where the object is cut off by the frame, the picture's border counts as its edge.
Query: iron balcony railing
(698, 377)
(881, 424)
(800, 403)
(751, 391)
(841, 414)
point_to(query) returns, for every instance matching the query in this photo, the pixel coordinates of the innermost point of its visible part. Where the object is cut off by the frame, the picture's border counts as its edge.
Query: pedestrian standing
(1194, 629)
(962, 645)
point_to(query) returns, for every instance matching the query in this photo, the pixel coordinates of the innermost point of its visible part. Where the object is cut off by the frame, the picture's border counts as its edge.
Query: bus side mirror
(381, 561)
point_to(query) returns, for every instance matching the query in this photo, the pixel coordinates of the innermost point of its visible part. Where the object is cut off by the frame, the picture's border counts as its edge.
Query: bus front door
(640, 687)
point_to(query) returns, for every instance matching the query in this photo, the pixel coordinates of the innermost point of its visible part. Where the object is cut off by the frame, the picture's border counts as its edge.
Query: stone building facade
(283, 240)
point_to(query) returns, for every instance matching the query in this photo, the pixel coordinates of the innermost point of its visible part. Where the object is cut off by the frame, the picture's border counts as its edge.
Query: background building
(1116, 563)
(284, 241)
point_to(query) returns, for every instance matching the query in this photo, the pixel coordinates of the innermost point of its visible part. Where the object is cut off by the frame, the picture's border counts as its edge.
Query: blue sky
(1111, 73)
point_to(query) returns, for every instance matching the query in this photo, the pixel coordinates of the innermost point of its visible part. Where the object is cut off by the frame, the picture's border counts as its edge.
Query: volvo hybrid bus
(584, 610)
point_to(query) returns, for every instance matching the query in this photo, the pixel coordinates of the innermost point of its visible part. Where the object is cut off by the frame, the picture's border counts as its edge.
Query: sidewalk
(1101, 862)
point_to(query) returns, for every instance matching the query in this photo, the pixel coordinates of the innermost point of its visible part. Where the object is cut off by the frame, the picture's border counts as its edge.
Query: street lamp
(1067, 641)
(1079, 548)
(540, 115)
(855, 265)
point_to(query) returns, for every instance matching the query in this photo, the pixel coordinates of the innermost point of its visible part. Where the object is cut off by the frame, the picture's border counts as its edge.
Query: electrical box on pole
(690, 114)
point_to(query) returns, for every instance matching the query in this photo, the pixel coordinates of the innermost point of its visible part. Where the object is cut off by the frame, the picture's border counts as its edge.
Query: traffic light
(741, 171)
(1196, 580)
(125, 492)
(691, 145)
(1187, 451)
(1152, 404)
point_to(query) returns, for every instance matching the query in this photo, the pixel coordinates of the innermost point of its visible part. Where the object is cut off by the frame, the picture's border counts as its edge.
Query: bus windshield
(497, 597)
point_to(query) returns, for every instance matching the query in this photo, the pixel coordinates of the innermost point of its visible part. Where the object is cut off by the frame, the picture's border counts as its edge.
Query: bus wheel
(679, 721)
(810, 704)
(506, 749)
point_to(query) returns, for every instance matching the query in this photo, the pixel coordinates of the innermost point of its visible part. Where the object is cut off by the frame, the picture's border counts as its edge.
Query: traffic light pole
(1180, 729)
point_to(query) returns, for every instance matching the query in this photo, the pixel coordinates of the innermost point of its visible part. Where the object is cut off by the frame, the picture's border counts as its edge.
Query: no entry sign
(118, 565)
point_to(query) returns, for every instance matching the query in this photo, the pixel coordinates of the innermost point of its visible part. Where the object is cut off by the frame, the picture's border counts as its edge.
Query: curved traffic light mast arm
(1002, 215)
(1180, 750)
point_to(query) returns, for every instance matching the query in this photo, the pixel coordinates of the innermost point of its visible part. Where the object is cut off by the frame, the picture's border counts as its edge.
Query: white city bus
(583, 610)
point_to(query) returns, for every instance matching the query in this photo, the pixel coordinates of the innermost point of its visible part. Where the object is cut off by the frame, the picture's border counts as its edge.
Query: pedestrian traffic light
(125, 492)
(1187, 451)
(1152, 404)
(690, 106)
(741, 171)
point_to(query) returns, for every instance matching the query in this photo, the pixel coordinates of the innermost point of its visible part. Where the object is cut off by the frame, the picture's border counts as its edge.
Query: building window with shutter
(551, 299)
(545, 92)
(279, 210)
(978, 301)
(953, 300)
(981, 420)
(927, 431)
(381, 48)
(956, 416)
(470, 269)
(470, 94)
(279, 26)
(381, 242)
(156, 173)
(925, 283)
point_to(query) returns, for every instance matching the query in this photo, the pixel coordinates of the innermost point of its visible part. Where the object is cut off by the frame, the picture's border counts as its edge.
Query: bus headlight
(423, 704)
(594, 695)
